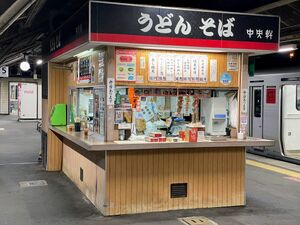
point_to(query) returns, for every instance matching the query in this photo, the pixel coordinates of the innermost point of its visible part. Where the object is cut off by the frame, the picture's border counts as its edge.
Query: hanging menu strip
(185, 68)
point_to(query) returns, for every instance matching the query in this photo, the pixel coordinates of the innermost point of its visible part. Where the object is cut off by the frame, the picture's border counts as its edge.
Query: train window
(298, 98)
(257, 103)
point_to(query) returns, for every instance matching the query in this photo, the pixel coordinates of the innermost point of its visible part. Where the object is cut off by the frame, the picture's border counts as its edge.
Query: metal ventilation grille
(179, 190)
(81, 174)
(197, 220)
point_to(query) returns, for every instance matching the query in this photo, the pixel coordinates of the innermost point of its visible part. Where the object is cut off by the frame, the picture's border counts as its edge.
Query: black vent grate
(179, 190)
(81, 174)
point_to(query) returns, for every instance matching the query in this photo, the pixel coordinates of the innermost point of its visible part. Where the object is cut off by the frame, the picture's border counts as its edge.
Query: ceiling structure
(24, 24)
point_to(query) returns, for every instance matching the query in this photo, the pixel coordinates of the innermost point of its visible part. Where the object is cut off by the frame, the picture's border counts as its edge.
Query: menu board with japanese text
(125, 65)
(185, 68)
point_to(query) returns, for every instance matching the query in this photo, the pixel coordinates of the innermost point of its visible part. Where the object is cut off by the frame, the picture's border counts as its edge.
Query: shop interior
(157, 112)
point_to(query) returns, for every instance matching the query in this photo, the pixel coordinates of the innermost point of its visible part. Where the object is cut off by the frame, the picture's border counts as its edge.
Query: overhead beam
(36, 8)
(13, 13)
(271, 6)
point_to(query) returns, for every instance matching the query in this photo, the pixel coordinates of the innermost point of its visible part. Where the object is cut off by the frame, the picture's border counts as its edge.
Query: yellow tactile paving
(273, 168)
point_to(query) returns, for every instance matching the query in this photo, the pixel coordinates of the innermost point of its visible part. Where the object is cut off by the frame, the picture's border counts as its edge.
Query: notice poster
(161, 76)
(178, 68)
(101, 66)
(213, 70)
(125, 65)
(244, 101)
(185, 68)
(194, 69)
(186, 64)
(161, 67)
(203, 64)
(232, 61)
(170, 67)
(84, 70)
(110, 91)
(152, 67)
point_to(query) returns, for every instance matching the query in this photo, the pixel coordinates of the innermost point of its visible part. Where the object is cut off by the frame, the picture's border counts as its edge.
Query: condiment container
(193, 133)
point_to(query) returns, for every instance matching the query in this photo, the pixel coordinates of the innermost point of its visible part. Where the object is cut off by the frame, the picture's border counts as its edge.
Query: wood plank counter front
(128, 180)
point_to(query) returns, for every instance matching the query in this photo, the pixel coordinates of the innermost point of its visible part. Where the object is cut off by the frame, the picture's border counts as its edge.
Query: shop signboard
(164, 26)
(156, 26)
(70, 35)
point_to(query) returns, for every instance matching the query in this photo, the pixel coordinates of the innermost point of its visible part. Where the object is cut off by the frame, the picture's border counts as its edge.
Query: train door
(256, 112)
(291, 119)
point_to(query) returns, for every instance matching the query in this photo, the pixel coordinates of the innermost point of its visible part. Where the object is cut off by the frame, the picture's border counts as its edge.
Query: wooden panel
(55, 95)
(221, 68)
(45, 116)
(100, 189)
(60, 80)
(93, 184)
(139, 181)
(54, 154)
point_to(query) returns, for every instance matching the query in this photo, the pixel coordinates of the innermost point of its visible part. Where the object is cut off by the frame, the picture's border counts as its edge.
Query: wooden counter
(127, 178)
(94, 143)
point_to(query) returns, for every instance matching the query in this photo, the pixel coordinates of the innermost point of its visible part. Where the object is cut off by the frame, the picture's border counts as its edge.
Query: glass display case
(88, 104)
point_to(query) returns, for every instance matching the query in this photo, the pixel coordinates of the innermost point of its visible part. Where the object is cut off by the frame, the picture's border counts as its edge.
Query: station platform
(272, 189)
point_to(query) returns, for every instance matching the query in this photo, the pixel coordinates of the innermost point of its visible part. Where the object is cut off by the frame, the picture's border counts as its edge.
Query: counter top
(93, 142)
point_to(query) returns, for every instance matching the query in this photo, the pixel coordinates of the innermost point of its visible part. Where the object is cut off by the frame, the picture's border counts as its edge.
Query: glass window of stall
(173, 111)
(89, 105)
(85, 106)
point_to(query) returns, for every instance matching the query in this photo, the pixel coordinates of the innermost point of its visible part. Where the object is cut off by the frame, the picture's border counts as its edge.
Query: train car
(274, 113)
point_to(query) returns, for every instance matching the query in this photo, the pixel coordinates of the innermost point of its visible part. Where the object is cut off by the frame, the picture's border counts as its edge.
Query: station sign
(109, 23)
(4, 71)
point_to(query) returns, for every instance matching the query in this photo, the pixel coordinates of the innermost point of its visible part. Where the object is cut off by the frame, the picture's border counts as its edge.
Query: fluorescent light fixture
(84, 53)
(287, 48)
(169, 48)
(39, 62)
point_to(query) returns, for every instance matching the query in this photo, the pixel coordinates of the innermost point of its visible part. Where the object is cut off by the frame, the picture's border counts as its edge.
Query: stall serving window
(171, 111)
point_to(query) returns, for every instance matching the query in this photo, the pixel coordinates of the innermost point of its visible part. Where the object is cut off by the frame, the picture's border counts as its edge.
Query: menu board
(213, 70)
(185, 68)
(84, 70)
(125, 65)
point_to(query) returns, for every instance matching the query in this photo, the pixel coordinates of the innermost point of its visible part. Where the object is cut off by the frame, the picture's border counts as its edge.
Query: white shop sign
(244, 100)
(110, 91)
(4, 71)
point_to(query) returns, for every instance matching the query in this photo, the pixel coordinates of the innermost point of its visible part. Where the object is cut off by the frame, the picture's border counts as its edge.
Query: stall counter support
(139, 181)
